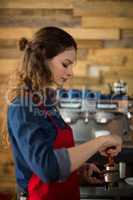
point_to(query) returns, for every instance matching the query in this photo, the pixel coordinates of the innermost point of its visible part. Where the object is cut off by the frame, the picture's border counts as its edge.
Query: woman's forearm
(81, 153)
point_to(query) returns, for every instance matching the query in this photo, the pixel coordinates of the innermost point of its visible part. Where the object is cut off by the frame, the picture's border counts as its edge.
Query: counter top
(123, 190)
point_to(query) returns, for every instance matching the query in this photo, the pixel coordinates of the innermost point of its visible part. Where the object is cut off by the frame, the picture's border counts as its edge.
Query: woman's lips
(64, 79)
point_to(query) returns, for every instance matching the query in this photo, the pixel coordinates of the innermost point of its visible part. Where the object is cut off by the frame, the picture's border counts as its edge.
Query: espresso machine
(90, 113)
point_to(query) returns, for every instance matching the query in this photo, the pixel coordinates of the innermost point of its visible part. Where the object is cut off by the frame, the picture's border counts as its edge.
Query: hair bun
(23, 43)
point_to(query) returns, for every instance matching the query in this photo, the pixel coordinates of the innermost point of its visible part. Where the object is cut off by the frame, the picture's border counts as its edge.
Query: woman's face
(61, 66)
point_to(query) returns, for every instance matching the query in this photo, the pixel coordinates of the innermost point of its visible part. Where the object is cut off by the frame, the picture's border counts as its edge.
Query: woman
(46, 159)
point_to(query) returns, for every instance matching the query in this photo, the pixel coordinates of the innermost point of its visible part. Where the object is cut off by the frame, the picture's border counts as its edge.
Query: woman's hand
(112, 146)
(81, 153)
(87, 171)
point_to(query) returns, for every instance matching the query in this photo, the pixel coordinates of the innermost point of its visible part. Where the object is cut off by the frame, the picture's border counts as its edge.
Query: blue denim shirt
(32, 135)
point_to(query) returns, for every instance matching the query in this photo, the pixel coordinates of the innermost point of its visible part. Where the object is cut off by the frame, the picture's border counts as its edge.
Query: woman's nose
(70, 72)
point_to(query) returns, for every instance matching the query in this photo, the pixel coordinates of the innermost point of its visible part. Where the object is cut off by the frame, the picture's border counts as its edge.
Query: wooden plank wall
(103, 30)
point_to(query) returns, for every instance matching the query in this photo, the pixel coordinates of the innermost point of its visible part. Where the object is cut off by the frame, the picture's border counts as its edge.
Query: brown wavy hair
(32, 73)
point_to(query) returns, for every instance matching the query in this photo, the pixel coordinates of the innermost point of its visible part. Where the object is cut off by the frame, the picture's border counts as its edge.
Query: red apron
(67, 190)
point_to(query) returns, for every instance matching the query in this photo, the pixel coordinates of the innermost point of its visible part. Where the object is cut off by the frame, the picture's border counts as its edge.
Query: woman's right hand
(81, 153)
(112, 145)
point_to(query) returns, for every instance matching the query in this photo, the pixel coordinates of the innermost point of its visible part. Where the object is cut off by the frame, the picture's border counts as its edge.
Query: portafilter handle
(111, 161)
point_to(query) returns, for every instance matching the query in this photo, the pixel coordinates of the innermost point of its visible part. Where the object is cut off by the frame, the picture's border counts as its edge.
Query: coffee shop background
(103, 30)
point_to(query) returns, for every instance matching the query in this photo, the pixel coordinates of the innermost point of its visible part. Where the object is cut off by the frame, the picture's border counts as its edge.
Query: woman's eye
(64, 65)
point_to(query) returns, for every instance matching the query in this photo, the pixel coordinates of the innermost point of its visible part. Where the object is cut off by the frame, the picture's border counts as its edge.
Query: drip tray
(100, 191)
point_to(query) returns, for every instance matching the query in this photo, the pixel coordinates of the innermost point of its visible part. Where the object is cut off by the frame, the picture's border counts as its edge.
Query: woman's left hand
(88, 172)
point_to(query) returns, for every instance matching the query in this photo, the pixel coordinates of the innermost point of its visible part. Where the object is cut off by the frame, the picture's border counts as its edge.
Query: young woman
(46, 160)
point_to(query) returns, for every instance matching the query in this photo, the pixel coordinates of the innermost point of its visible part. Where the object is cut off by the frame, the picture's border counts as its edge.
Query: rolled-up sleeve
(64, 163)
(35, 138)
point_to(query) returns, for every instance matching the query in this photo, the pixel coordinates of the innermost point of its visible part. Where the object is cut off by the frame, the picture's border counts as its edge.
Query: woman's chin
(59, 84)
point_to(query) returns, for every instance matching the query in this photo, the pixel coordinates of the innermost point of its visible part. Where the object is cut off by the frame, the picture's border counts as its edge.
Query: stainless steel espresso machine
(90, 113)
